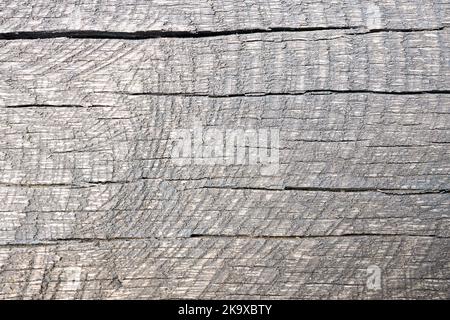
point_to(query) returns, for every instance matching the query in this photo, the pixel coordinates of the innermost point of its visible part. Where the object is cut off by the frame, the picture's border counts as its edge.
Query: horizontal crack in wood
(263, 94)
(57, 242)
(153, 34)
(395, 192)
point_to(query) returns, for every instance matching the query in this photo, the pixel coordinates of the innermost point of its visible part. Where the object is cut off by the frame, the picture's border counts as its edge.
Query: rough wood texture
(91, 92)
(364, 140)
(213, 16)
(55, 70)
(233, 268)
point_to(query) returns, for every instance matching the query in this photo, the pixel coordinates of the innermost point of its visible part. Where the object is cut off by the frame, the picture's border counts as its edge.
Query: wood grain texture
(157, 209)
(348, 140)
(239, 268)
(50, 70)
(91, 92)
(202, 15)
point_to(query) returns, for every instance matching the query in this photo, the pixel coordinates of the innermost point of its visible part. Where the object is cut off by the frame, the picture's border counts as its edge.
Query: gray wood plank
(373, 141)
(183, 15)
(332, 267)
(69, 70)
(161, 209)
(70, 172)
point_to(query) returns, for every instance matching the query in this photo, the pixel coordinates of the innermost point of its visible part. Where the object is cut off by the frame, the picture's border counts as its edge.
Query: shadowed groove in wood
(267, 94)
(142, 35)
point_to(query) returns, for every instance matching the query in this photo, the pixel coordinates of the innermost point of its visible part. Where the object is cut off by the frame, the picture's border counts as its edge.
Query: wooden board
(68, 71)
(218, 16)
(335, 267)
(347, 141)
(94, 205)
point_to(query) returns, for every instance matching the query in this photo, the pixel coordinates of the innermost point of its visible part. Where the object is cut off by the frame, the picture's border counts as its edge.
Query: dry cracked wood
(156, 209)
(242, 268)
(91, 92)
(68, 71)
(218, 16)
(348, 140)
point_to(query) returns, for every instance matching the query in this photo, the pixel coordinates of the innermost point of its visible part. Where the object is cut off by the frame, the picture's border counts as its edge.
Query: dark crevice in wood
(37, 105)
(400, 93)
(86, 184)
(142, 35)
(405, 30)
(396, 192)
(242, 188)
(41, 185)
(61, 241)
(299, 237)
(264, 94)
(19, 106)
(403, 192)
(80, 185)
(237, 95)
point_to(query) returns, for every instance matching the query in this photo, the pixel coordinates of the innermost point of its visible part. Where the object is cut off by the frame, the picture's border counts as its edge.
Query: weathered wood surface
(90, 93)
(228, 267)
(214, 16)
(69, 70)
(362, 140)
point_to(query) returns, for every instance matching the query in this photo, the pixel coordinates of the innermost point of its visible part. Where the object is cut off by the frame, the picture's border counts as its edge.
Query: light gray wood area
(241, 268)
(65, 70)
(328, 140)
(93, 205)
(157, 209)
(213, 16)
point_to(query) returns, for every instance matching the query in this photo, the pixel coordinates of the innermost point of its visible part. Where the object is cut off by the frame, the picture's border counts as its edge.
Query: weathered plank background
(92, 205)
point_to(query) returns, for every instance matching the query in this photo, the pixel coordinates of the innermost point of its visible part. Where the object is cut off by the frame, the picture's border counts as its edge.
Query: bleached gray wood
(157, 209)
(90, 93)
(374, 141)
(185, 15)
(48, 71)
(240, 268)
